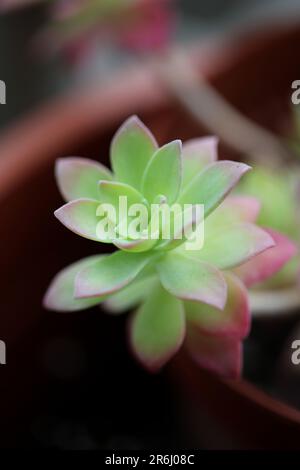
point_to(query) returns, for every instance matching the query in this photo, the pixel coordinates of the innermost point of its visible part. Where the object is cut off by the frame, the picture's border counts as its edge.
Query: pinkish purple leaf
(223, 356)
(233, 321)
(269, 262)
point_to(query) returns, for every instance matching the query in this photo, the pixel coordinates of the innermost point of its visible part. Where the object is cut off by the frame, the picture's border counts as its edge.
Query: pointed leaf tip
(192, 279)
(165, 162)
(77, 177)
(233, 321)
(196, 155)
(60, 293)
(213, 184)
(235, 244)
(80, 216)
(110, 274)
(131, 149)
(268, 262)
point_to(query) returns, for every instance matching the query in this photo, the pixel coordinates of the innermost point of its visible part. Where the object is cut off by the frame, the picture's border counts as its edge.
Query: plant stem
(211, 110)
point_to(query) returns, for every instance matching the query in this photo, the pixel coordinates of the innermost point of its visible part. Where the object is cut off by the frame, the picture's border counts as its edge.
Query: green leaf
(158, 329)
(109, 274)
(192, 279)
(212, 185)
(110, 192)
(233, 209)
(80, 216)
(184, 226)
(276, 190)
(78, 177)
(234, 245)
(135, 246)
(60, 294)
(163, 173)
(131, 150)
(132, 295)
(196, 155)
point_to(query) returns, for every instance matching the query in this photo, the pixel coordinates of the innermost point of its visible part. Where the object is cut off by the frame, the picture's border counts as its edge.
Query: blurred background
(70, 382)
(32, 77)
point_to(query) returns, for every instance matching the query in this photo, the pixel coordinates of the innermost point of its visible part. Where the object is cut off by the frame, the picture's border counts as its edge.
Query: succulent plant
(277, 191)
(193, 297)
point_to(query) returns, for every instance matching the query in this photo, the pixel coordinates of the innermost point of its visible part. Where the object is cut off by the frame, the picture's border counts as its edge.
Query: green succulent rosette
(196, 298)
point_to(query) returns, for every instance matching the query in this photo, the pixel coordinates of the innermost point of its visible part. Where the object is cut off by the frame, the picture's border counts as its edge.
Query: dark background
(30, 81)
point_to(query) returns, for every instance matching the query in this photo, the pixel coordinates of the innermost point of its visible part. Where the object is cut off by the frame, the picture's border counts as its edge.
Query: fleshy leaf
(163, 173)
(233, 321)
(110, 192)
(212, 185)
(131, 295)
(269, 262)
(191, 279)
(222, 356)
(232, 210)
(80, 216)
(131, 150)
(78, 177)
(196, 155)
(135, 246)
(109, 274)
(157, 329)
(276, 190)
(235, 245)
(185, 225)
(246, 208)
(60, 294)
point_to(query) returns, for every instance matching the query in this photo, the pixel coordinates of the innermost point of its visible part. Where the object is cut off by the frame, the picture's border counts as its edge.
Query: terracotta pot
(254, 73)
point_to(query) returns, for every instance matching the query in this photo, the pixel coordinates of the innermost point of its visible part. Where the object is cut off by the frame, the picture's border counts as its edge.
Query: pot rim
(198, 379)
(268, 303)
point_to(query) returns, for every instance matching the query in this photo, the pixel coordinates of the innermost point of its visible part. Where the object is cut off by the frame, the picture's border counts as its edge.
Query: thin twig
(205, 104)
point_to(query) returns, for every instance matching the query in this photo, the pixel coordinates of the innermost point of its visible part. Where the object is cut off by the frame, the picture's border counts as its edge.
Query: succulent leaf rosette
(180, 296)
